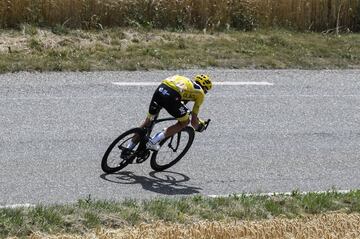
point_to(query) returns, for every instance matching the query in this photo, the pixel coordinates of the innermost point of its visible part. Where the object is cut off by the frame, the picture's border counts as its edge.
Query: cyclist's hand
(201, 127)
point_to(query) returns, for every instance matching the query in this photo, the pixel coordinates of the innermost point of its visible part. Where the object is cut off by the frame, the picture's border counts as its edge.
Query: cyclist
(172, 94)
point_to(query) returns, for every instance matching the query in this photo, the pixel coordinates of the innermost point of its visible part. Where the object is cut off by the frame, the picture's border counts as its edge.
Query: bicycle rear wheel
(114, 159)
(172, 149)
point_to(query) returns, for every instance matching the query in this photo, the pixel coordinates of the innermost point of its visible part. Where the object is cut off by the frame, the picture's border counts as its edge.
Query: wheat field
(317, 15)
(331, 226)
(311, 14)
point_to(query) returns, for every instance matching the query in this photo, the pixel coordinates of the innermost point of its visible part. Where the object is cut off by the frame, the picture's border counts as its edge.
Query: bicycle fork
(177, 142)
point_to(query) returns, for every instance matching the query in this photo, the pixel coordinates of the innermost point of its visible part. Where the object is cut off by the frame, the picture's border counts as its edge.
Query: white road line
(87, 98)
(297, 96)
(63, 98)
(231, 83)
(276, 193)
(17, 206)
(136, 83)
(226, 83)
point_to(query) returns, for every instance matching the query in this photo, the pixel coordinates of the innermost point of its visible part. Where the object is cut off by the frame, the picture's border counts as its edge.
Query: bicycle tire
(104, 162)
(155, 165)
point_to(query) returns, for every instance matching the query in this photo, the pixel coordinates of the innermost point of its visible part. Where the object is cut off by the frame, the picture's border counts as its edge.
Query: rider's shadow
(166, 182)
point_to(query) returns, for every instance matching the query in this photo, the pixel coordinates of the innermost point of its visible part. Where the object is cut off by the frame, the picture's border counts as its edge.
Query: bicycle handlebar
(207, 123)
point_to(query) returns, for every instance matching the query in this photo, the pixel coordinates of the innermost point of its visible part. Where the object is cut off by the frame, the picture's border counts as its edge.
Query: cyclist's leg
(154, 109)
(171, 101)
(182, 114)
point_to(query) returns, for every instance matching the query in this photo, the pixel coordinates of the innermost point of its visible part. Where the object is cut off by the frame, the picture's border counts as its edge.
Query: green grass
(61, 49)
(88, 213)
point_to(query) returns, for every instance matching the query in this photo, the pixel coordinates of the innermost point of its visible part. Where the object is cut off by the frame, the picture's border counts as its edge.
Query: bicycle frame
(154, 122)
(142, 153)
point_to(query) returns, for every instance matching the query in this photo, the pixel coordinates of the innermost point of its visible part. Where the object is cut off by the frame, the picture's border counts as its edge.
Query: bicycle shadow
(165, 182)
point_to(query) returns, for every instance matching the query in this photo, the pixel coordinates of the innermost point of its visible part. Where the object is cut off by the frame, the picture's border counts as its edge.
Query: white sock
(158, 137)
(131, 145)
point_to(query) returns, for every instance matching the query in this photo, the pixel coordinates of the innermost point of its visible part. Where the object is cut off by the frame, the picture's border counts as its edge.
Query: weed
(29, 29)
(59, 29)
(92, 220)
(35, 44)
(161, 209)
(275, 208)
(317, 203)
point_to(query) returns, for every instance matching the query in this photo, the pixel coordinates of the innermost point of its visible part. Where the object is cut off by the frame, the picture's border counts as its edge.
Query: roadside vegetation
(64, 49)
(88, 215)
(86, 35)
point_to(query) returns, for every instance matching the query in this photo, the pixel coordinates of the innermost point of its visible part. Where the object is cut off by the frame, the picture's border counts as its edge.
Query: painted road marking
(277, 193)
(87, 98)
(26, 205)
(231, 83)
(226, 83)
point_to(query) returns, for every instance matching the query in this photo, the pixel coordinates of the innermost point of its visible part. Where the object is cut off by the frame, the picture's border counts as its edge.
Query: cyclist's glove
(201, 126)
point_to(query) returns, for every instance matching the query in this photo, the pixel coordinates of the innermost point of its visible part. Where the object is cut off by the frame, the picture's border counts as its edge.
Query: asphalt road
(302, 132)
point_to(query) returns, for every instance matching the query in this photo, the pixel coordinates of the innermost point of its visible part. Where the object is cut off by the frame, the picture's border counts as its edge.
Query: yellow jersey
(188, 90)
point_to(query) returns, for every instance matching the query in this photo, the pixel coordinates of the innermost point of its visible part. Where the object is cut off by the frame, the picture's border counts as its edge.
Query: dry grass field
(310, 14)
(318, 15)
(329, 226)
(87, 35)
(39, 49)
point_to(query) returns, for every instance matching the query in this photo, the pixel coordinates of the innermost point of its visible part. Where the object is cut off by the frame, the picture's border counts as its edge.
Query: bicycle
(140, 153)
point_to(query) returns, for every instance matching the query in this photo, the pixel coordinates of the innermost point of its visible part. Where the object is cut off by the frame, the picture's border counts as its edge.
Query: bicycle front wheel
(172, 149)
(114, 158)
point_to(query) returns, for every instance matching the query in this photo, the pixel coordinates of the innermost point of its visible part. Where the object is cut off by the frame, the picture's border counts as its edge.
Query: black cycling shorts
(170, 99)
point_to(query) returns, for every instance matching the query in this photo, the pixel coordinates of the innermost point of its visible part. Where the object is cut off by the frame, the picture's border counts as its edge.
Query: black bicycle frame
(151, 127)
(155, 121)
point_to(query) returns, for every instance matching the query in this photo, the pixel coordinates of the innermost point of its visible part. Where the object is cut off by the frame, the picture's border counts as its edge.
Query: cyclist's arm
(198, 102)
(194, 120)
(197, 123)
